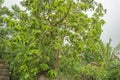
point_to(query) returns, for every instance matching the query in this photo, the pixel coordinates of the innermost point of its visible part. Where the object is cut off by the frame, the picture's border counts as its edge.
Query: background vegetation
(56, 39)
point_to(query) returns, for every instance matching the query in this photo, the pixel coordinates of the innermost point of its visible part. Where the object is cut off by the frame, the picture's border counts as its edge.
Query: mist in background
(112, 27)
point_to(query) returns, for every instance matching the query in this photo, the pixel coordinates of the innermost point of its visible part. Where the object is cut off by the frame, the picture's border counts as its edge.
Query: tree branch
(63, 17)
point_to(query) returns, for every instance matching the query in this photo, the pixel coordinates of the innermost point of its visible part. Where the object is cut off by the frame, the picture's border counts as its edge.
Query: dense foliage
(3, 30)
(56, 39)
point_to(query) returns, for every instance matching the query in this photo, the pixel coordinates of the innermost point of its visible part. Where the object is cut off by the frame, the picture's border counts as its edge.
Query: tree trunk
(56, 66)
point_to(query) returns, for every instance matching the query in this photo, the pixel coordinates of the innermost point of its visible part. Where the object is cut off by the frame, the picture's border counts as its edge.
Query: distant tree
(117, 47)
(117, 51)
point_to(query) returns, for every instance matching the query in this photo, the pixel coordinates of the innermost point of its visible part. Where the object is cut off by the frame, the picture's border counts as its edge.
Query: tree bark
(56, 66)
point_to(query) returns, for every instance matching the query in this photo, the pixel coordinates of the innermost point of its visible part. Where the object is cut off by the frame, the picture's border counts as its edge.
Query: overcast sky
(112, 27)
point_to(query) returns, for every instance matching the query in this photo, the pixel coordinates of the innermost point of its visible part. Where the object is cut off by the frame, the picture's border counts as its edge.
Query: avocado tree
(49, 36)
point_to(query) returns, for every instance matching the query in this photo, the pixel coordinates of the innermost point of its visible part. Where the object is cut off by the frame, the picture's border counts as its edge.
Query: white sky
(112, 18)
(112, 27)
